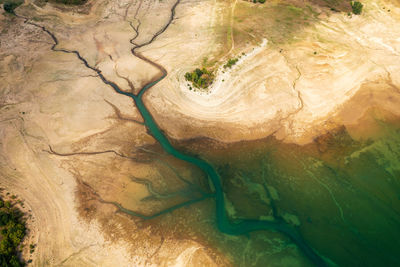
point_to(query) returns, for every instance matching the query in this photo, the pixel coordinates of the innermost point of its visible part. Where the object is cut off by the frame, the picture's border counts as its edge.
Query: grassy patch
(279, 23)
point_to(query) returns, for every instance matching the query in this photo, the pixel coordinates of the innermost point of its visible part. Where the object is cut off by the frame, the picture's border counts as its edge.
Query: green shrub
(357, 7)
(9, 6)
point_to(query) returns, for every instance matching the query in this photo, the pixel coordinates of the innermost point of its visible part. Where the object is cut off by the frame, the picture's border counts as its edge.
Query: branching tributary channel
(224, 224)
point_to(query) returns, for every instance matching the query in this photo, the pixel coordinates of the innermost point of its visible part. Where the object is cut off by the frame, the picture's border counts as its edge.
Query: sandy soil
(29, 122)
(284, 87)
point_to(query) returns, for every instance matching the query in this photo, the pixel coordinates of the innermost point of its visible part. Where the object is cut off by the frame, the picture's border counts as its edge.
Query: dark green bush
(357, 7)
(9, 6)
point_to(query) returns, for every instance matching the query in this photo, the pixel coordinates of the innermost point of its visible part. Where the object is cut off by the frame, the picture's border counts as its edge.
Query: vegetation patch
(12, 232)
(231, 62)
(356, 7)
(257, 1)
(9, 6)
(64, 2)
(75, 6)
(283, 22)
(200, 78)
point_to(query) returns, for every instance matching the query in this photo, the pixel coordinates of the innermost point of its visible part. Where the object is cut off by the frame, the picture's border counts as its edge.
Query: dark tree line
(12, 232)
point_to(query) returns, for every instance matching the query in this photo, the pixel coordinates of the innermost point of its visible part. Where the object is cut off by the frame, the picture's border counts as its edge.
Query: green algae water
(342, 193)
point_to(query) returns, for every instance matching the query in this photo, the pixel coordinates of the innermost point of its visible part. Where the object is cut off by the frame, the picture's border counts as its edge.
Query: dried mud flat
(72, 148)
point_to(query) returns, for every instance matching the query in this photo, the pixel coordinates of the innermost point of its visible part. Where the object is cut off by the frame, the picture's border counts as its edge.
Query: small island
(200, 78)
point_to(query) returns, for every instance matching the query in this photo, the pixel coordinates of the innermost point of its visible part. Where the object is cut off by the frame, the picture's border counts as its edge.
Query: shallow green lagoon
(342, 194)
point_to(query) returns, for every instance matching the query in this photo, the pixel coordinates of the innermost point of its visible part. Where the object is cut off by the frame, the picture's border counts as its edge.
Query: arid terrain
(89, 169)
